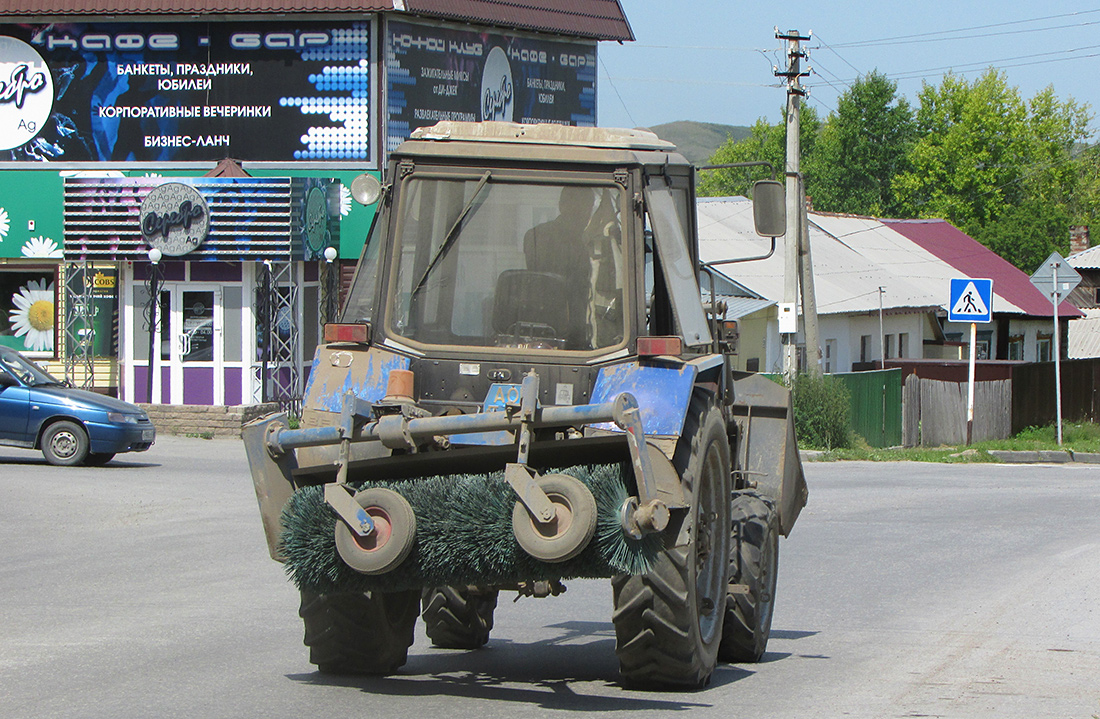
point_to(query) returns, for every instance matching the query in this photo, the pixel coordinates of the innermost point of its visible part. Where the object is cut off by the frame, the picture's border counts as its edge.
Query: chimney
(1078, 238)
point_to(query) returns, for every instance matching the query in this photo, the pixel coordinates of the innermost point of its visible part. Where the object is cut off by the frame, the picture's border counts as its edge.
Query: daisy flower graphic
(41, 247)
(345, 200)
(5, 223)
(33, 315)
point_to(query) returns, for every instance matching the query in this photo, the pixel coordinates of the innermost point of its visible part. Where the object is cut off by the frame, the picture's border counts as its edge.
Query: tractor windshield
(488, 261)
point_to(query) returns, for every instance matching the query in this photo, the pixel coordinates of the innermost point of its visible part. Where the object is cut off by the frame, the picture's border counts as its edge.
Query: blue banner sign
(184, 92)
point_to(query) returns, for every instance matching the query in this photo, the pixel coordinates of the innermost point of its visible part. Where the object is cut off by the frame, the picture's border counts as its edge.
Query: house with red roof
(882, 288)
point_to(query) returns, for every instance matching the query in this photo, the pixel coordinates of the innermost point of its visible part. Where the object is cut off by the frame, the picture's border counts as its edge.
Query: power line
(685, 81)
(972, 37)
(979, 67)
(617, 94)
(903, 38)
(842, 58)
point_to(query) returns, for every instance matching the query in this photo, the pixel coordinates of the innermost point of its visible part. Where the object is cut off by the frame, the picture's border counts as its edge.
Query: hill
(698, 140)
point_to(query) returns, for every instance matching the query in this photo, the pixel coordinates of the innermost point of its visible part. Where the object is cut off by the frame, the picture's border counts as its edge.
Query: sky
(713, 60)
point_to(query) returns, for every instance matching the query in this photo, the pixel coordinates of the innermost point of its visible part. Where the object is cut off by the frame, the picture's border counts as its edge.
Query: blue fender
(663, 391)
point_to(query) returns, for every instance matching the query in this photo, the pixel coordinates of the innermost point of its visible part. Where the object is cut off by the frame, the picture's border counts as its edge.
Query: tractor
(526, 385)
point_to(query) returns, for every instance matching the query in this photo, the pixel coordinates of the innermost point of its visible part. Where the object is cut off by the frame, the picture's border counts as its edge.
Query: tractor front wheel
(359, 633)
(754, 565)
(458, 617)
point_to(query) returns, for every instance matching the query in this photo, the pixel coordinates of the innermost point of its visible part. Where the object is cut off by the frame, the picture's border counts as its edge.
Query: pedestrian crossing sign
(971, 300)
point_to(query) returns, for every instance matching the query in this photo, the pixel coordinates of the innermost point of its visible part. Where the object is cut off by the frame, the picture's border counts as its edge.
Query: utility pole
(796, 240)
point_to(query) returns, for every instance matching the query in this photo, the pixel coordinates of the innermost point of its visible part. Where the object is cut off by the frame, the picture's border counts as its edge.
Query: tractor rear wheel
(359, 633)
(458, 617)
(754, 565)
(668, 622)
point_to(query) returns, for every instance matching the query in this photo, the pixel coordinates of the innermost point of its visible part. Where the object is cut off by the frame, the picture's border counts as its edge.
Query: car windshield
(28, 372)
(492, 262)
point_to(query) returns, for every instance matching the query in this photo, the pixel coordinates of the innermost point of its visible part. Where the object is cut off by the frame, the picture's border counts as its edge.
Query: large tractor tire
(458, 617)
(668, 622)
(359, 633)
(754, 565)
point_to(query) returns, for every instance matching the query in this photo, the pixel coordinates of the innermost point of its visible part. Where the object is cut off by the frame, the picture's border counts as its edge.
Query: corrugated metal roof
(1086, 259)
(1084, 336)
(914, 260)
(600, 19)
(738, 307)
(845, 281)
(971, 258)
(186, 7)
(597, 19)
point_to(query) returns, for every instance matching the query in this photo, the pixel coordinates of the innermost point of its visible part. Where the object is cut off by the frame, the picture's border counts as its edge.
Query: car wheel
(65, 443)
(98, 459)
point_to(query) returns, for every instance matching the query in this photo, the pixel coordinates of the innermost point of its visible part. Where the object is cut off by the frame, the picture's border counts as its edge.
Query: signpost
(971, 301)
(1056, 279)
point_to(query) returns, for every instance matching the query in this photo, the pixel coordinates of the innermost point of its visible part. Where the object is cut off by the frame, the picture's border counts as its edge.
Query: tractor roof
(512, 141)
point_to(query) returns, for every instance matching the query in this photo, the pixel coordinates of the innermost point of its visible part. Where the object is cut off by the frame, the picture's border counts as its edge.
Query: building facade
(137, 259)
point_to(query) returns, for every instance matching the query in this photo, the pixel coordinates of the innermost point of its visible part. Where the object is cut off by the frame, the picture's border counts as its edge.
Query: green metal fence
(876, 405)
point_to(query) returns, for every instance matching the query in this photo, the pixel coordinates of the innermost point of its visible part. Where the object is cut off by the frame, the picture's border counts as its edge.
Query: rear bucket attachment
(768, 451)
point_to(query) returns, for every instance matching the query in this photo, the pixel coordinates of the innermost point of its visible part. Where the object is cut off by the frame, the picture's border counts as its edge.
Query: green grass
(1081, 437)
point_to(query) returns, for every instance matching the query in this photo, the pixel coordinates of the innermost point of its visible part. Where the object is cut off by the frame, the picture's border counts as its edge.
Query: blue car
(70, 426)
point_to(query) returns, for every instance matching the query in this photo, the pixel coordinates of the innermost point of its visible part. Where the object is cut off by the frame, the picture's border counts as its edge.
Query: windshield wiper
(452, 233)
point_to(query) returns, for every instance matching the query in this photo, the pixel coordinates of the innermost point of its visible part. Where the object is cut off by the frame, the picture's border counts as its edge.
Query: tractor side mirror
(769, 208)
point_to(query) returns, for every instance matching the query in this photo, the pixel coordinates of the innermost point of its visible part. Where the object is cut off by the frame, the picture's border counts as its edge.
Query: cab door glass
(665, 208)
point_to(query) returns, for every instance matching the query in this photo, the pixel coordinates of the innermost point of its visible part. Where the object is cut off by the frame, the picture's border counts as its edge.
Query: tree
(1001, 169)
(765, 142)
(862, 146)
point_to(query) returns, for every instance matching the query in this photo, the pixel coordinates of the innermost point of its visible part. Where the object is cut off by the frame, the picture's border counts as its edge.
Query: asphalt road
(143, 589)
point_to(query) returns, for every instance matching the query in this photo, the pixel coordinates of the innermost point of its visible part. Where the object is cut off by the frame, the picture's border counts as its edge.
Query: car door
(14, 409)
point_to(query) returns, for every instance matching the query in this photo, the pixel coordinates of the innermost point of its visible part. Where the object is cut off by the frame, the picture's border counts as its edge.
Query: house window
(752, 364)
(1016, 347)
(903, 345)
(889, 347)
(865, 348)
(800, 357)
(1042, 348)
(984, 341)
(830, 355)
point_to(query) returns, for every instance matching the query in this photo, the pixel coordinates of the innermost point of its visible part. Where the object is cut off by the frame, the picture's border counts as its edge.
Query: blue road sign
(971, 300)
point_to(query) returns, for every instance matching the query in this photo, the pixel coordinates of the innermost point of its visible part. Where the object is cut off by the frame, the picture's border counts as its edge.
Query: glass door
(195, 350)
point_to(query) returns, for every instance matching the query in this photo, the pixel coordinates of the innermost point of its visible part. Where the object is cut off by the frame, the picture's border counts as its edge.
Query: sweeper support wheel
(392, 538)
(573, 525)
(359, 633)
(668, 622)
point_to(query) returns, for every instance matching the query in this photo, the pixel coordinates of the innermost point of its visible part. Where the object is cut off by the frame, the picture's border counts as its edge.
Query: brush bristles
(463, 536)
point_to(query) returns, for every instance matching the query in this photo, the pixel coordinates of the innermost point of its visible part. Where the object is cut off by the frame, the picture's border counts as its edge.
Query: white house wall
(847, 332)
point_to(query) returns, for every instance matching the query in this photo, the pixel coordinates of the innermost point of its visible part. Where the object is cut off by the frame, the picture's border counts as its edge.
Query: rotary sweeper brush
(527, 386)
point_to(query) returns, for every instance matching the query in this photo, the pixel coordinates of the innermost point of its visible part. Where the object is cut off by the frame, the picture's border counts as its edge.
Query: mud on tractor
(527, 386)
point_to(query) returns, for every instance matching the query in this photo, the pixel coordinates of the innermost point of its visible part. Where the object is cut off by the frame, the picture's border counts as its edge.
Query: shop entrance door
(196, 354)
